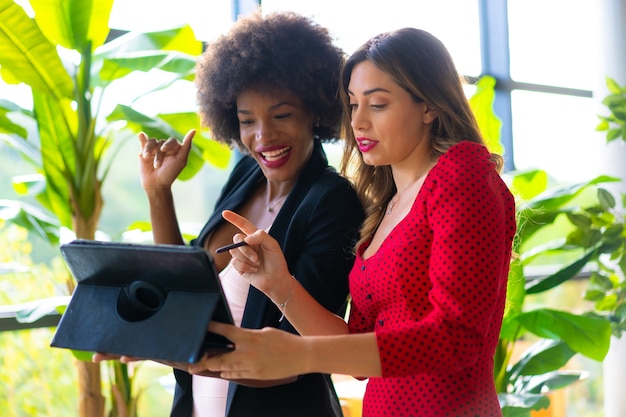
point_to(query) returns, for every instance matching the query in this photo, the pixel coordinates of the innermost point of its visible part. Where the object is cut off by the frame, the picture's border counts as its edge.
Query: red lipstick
(366, 144)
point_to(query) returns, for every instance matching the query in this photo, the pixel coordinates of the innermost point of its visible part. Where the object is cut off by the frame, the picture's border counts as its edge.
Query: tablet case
(146, 301)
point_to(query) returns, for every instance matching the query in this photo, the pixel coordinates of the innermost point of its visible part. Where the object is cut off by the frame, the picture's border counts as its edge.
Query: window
(544, 95)
(547, 110)
(554, 53)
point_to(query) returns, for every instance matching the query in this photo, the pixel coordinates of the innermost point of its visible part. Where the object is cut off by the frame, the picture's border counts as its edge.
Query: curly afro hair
(283, 50)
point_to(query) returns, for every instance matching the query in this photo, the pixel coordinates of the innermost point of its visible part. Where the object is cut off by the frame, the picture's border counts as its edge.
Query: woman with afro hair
(428, 285)
(268, 87)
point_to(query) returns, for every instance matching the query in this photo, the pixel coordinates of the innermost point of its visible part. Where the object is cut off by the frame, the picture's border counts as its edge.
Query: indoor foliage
(580, 228)
(64, 52)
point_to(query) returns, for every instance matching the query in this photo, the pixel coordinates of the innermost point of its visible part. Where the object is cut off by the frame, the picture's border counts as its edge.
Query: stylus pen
(231, 246)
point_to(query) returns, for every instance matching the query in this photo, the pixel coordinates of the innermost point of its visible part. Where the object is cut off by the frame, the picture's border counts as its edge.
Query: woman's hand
(161, 161)
(267, 354)
(261, 261)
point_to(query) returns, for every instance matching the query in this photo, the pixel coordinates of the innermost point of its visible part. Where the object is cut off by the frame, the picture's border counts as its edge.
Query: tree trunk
(90, 398)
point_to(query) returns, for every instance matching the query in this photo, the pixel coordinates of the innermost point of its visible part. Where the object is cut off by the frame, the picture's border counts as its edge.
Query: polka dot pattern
(434, 293)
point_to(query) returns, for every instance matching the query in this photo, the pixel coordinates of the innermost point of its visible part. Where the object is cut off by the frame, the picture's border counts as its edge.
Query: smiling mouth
(276, 154)
(365, 142)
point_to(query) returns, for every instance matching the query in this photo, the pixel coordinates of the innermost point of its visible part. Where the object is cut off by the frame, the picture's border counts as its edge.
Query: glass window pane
(352, 22)
(557, 134)
(207, 18)
(555, 42)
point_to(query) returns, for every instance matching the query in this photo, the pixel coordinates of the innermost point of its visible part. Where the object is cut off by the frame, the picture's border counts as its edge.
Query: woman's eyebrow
(272, 107)
(371, 91)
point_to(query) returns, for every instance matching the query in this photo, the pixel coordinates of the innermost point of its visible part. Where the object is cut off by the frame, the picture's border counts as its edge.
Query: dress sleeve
(469, 211)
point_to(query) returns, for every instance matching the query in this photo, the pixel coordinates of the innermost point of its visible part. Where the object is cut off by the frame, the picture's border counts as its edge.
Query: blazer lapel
(232, 201)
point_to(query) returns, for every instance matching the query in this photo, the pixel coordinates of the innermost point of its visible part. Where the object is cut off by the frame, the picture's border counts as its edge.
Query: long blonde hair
(418, 62)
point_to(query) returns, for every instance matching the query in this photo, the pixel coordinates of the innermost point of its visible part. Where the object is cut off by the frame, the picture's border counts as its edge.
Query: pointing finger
(239, 222)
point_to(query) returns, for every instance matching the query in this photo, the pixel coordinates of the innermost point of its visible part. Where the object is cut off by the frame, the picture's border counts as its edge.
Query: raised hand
(162, 160)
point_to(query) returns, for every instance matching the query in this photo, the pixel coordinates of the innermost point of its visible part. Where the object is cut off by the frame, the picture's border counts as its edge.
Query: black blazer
(316, 228)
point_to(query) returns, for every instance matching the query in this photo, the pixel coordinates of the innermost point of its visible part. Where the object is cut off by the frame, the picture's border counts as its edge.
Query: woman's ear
(430, 115)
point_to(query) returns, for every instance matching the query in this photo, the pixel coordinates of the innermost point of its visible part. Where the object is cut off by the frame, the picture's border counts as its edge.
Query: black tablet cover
(146, 301)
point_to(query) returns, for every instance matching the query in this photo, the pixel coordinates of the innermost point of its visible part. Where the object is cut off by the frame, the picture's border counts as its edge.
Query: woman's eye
(245, 122)
(282, 116)
(377, 106)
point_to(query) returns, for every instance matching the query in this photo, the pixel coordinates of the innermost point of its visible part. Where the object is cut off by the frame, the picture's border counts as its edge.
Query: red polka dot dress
(434, 293)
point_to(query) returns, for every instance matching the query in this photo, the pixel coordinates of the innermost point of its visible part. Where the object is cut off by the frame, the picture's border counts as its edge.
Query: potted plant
(62, 56)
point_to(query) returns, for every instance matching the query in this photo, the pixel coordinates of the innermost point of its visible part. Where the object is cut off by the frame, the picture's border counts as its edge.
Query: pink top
(209, 394)
(434, 293)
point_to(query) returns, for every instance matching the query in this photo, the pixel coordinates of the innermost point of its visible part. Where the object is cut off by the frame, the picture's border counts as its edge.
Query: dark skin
(277, 131)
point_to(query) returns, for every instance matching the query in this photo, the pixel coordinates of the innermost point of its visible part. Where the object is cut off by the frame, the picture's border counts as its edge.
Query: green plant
(580, 228)
(615, 123)
(607, 284)
(61, 55)
(574, 227)
(27, 364)
(554, 228)
(23, 367)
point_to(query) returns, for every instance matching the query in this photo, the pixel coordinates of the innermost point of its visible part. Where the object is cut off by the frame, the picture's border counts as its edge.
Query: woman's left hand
(266, 354)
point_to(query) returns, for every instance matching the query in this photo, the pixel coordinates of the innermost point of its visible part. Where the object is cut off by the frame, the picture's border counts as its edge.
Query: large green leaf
(139, 122)
(543, 356)
(590, 336)
(178, 63)
(552, 381)
(170, 50)
(58, 150)
(556, 198)
(6, 124)
(536, 251)
(74, 24)
(529, 184)
(566, 273)
(542, 210)
(26, 53)
(14, 131)
(519, 405)
(515, 292)
(177, 39)
(31, 218)
(482, 105)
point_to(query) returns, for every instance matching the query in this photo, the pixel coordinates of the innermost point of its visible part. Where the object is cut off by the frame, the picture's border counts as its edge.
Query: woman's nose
(358, 121)
(264, 132)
